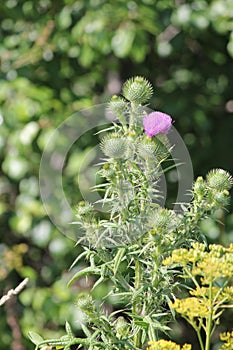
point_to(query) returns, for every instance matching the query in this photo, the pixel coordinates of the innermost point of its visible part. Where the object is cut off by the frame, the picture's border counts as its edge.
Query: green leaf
(69, 331)
(118, 259)
(142, 324)
(84, 272)
(83, 254)
(100, 280)
(35, 338)
(86, 331)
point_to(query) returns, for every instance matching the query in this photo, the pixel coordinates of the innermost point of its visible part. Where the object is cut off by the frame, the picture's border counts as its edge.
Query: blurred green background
(58, 57)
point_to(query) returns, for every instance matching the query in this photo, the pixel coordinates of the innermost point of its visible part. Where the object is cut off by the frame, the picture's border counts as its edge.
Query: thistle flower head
(85, 211)
(219, 179)
(107, 171)
(163, 220)
(121, 327)
(117, 105)
(156, 149)
(199, 186)
(221, 198)
(114, 146)
(137, 90)
(85, 304)
(157, 122)
(147, 150)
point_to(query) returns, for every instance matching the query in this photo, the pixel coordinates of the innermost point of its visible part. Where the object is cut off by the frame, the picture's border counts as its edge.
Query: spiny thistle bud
(84, 209)
(157, 148)
(199, 186)
(107, 171)
(118, 106)
(147, 150)
(86, 304)
(121, 327)
(161, 146)
(219, 179)
(221, 198)
(114, 147)
(163, 220)
(137, 90)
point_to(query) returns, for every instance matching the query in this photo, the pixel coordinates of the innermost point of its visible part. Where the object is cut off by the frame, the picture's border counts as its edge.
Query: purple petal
(157, 122)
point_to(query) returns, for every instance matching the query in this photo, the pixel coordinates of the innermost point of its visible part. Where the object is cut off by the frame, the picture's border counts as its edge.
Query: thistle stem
(136, 305)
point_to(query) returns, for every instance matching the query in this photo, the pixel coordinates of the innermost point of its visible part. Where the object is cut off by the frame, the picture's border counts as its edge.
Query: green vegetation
(58, 57)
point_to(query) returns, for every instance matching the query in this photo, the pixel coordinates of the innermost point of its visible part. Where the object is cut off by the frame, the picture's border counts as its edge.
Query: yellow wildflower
(191, 307)
(167, 345)
(228, 338)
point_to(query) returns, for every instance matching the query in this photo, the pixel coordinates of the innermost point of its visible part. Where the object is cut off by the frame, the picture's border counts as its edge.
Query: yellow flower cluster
(218, 293)
(217, 263)
(211, 273)
(191, 307)
(228, 293)
(202, 292)
(184, 256)
(228, 338)
(167, 345)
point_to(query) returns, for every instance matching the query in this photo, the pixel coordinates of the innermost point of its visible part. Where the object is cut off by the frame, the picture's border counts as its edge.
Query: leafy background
(58, 57)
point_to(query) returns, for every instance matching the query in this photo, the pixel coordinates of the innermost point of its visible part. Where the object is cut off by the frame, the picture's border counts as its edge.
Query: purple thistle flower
(157, 122)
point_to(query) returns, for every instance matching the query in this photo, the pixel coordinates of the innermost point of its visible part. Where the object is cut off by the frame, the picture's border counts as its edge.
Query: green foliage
(60, 57)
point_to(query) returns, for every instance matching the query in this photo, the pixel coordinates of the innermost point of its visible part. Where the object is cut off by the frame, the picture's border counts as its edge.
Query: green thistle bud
(114, 147)
(163, 220)
(147, 150)
(157, 148)
(222, 198)
(199, 186)
(107, 171)
(121, 327)
(163, 147)
(86, 305)
(137, 90)
(118, 106)
(85, 211)
(219, 180)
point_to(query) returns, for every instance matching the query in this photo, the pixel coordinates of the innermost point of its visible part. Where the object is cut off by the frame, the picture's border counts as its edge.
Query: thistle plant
(127, 244)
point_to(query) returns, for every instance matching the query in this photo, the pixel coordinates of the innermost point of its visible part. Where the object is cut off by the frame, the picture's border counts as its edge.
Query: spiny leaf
(69, 331)
(84, 272)
(35, 338)
(118, 258)
(83, 254)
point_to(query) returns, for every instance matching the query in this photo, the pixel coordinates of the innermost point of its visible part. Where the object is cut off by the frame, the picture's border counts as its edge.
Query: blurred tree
(59, 57)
